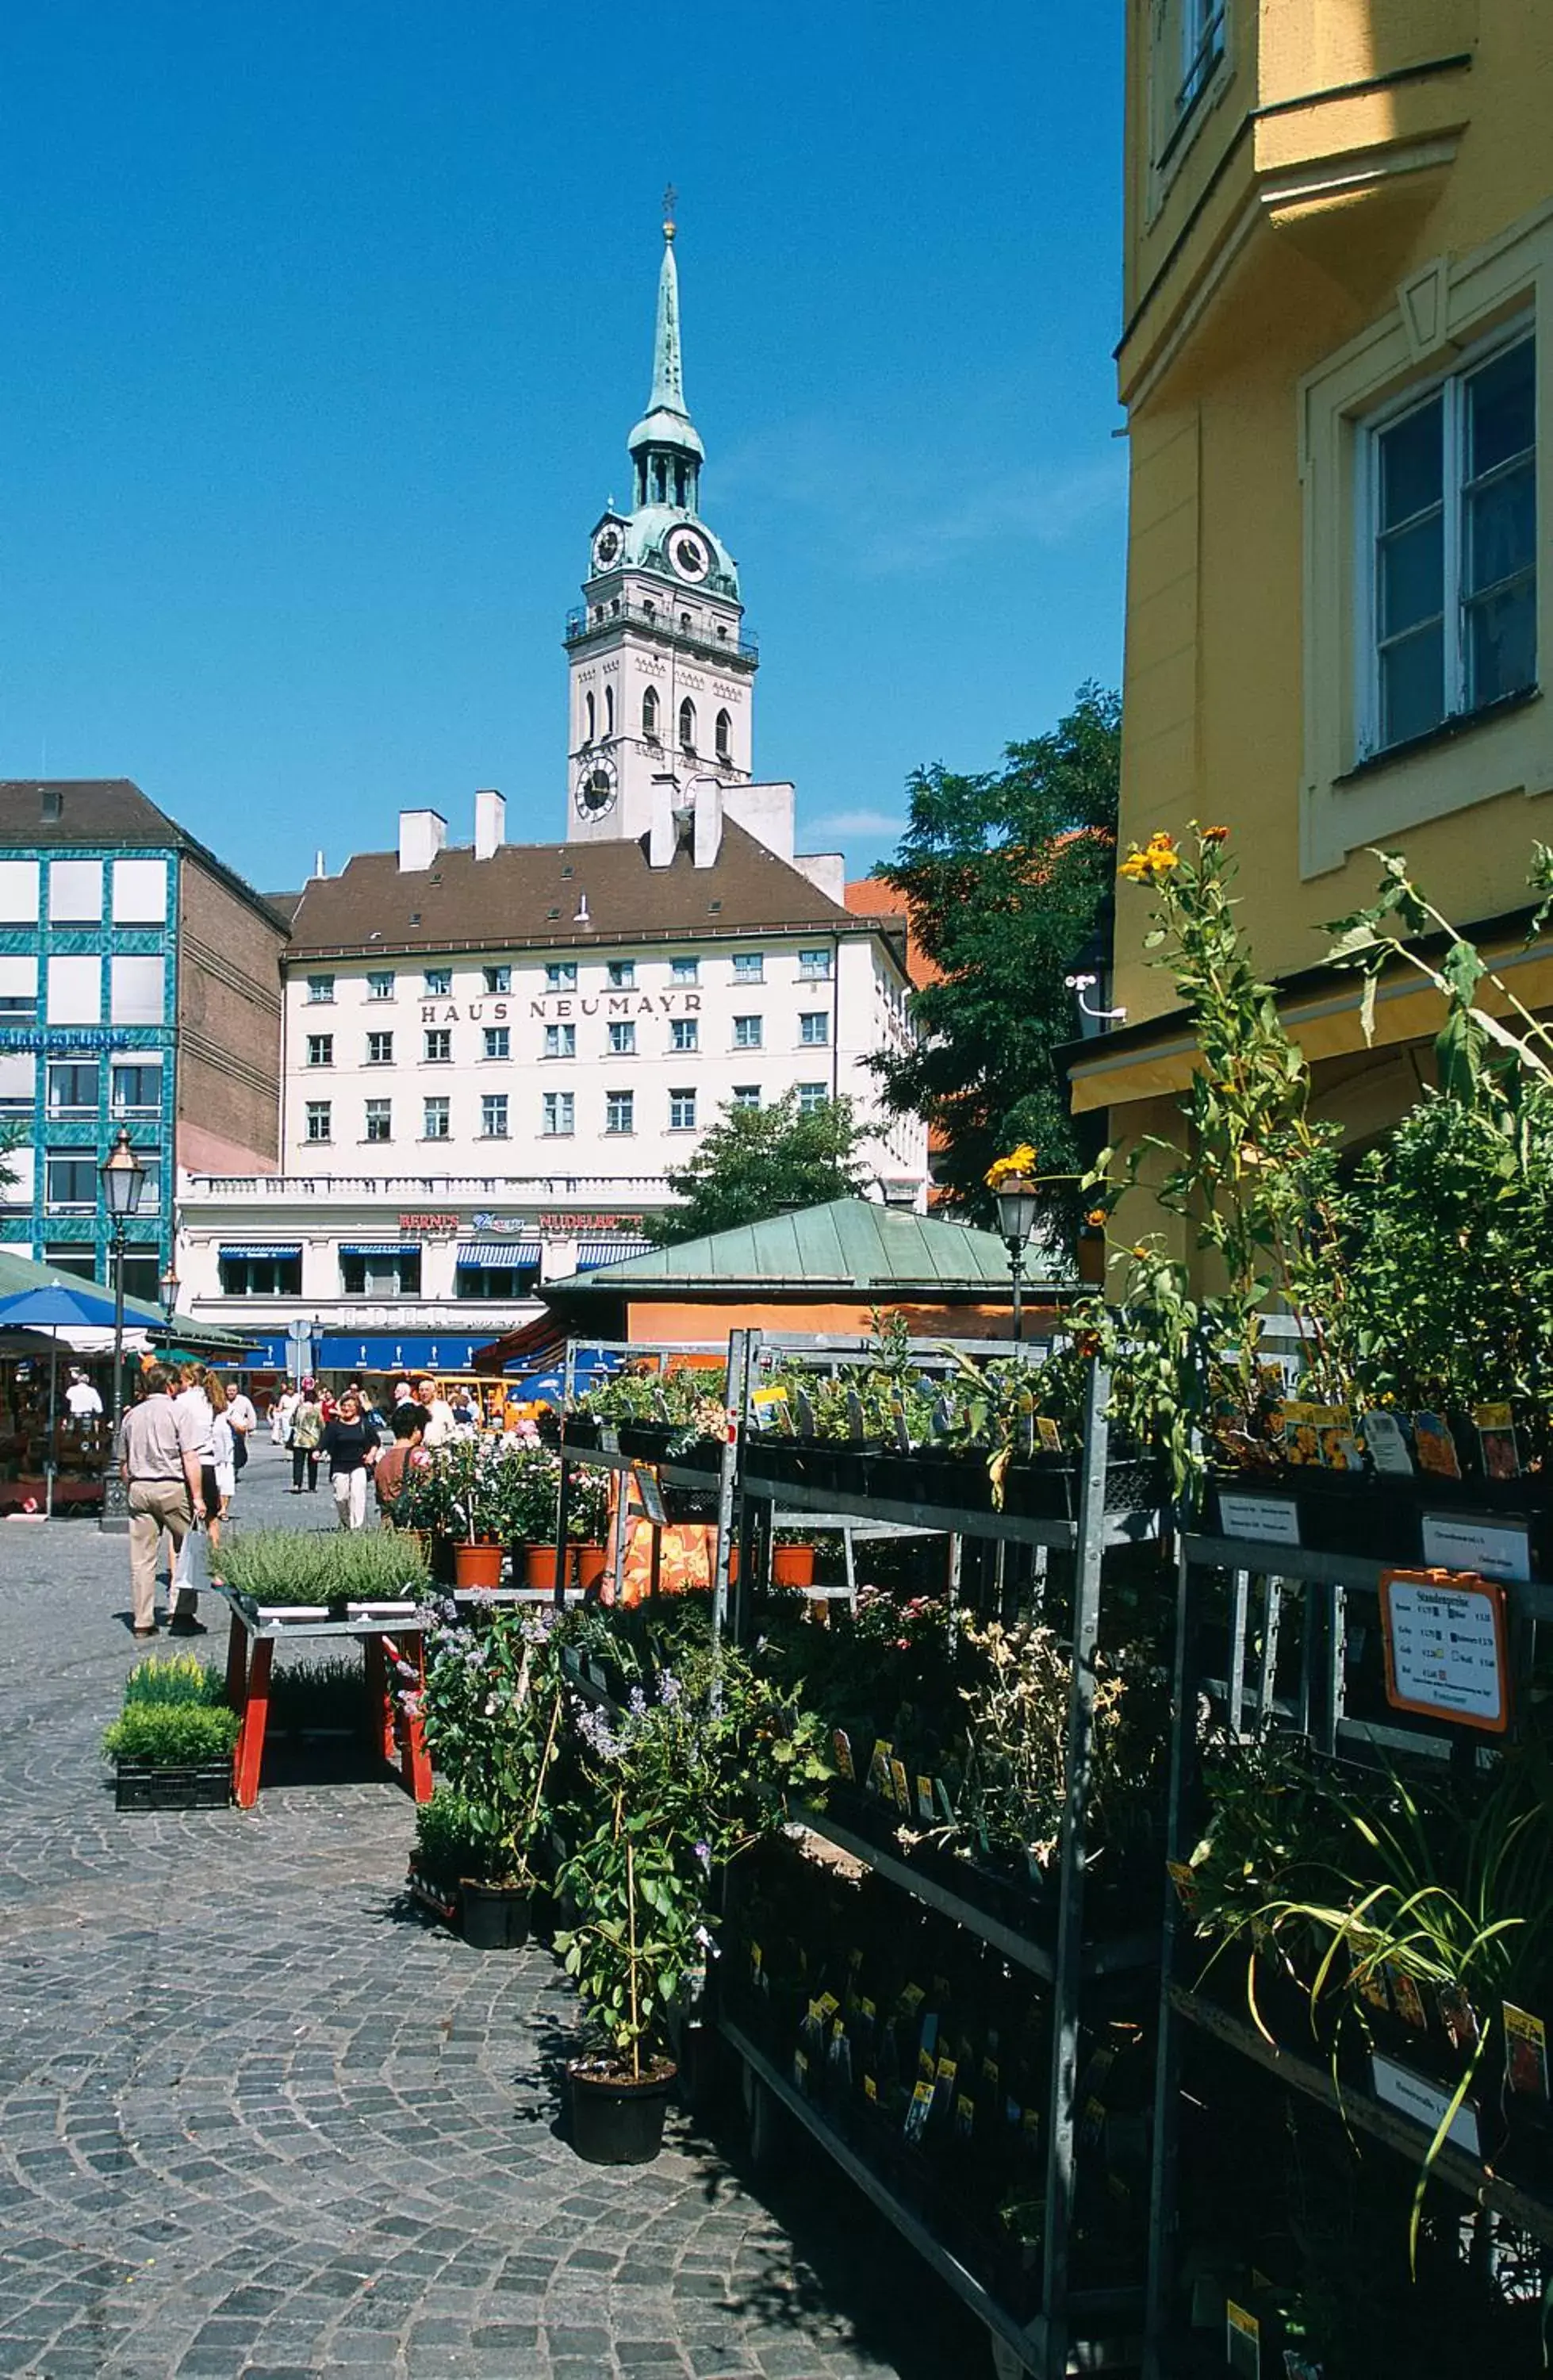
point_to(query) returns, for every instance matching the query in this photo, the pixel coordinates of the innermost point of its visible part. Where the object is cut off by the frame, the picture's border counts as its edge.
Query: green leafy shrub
(314, 1566)
(456, 1835)
(317, 1695)
(171, 1735)
(493, 1705)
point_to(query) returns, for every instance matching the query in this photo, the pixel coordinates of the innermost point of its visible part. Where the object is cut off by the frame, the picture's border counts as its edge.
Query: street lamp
(169, 1285)
(123, 1178)
(1017, 1203)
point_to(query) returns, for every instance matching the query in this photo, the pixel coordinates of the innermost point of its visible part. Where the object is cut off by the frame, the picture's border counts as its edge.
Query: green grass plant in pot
(171, 1745)
(493, 1714)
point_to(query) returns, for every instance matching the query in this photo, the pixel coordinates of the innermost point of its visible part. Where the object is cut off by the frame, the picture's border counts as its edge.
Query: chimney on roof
(491, 822)
(707, 815)
(422, 834)
(319, 868)
(52, 800)
(664, 835)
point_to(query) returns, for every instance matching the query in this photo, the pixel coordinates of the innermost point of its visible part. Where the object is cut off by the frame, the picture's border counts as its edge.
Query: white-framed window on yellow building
(1428, 552)
(1447, 510)
(1188, 61)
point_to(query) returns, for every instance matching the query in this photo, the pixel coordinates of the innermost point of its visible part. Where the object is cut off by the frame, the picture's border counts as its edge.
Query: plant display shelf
(1123, 1955)
(929, 1517)
(1527, 2209)
(1100, 2331)
(250, 1651)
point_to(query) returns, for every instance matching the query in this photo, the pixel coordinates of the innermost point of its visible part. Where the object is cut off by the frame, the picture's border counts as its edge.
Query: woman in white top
(280, 1412)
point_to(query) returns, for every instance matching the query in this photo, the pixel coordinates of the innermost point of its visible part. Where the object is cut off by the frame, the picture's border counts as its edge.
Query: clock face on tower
(688, 554)
(607, 547)
(597, 788)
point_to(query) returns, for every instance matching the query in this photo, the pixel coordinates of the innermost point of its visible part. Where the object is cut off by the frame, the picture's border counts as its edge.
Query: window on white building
(75, 892)
(682, 1111)
(620, 1111)
(498, 1041)
(1451, 496)
(320, 1120)
(749, 1032)
(650, 715)
(749, 967)
(260, 1274)
(435, 1122)
(558, 1114)
(622, 974)
(135, 989)
(687, 725)
(684, 1033)
(723, 736)
(320, 990)
(561, 974)
(18, 1082)
(498, 979)
(560, 1041)
(439, 1045)
(379, 1049)
(321, 1048)
(76, 990)
(379, 1272)
(814, 966)
(436, 983)
(380, 983)
(813, 1028)
(380, 1119)
(684, 970)
(745, 1095)
(75, 1085)
(622, 1041)
(139, 891)
(812, 1096)
(493, 1116)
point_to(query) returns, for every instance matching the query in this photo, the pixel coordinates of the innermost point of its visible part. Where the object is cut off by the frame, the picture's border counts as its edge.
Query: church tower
(662, 676)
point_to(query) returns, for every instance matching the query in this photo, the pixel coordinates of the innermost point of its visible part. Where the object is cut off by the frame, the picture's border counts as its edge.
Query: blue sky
(326, 321)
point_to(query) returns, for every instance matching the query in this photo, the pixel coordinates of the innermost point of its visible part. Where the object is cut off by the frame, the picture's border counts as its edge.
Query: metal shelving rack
(1319, 1585)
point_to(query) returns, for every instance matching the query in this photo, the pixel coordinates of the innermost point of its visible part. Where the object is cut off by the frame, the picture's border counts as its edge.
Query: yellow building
(1337, 361)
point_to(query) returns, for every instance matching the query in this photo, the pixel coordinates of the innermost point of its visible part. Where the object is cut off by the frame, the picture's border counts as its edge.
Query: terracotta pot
(476, 1564)
(539, 1567)
(792, 1565)
(591, 1564)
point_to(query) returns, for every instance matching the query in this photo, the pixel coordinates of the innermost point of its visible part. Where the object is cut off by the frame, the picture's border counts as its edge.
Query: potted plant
(588, 1522)
(172, 1743)
(493, 1714)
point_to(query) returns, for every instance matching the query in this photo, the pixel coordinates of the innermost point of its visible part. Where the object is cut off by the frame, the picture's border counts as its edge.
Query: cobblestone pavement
(257, 2120)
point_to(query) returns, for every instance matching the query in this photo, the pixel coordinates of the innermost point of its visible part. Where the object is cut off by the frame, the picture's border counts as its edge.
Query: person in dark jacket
(351, 1446)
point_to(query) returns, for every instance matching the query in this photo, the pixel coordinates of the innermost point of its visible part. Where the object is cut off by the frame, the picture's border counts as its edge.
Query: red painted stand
(250, 1658)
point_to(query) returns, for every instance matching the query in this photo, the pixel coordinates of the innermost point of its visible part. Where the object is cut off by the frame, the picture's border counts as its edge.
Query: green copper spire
(664, 447)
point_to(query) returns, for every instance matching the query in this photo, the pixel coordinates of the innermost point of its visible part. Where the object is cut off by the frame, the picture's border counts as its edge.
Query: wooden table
(251, 1650)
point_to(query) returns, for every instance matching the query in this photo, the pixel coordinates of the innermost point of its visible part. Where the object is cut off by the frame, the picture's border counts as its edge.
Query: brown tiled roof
(527, 894)
(104, 810)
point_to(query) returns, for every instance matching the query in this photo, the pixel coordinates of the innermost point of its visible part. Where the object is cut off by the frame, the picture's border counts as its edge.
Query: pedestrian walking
(351, 1444)
(440, 1427)
(307, 1429)
(242, 1417)
(81, 1398)
(389, 1471)
(280, 1412)
(159, 1459)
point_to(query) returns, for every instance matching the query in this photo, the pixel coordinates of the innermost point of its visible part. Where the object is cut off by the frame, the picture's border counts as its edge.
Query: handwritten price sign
(1444, 1635)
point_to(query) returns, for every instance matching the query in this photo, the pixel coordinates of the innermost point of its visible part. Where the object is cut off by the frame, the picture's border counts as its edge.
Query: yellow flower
(1022, 1159)
(1216, 835)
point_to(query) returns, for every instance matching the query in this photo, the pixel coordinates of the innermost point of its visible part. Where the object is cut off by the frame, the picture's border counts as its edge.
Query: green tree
(1008, 876)
(758, 1161)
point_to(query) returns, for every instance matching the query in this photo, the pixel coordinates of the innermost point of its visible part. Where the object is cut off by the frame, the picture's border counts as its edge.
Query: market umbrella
(55, 1309)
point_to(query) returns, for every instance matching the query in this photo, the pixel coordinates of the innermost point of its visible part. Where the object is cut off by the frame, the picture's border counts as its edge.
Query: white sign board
(1270, 1519)
(1492, 1548)
(1445, 1648)
(1413, 2094)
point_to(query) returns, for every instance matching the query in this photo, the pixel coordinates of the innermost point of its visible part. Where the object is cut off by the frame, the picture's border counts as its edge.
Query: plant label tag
(806, 1412)
(1386, 1441)
(855, 1420)
(1269, 1520)
(1492, 1548)
(1414, 2095)
(609, 1438)
(1525, 2059)
(925, 1800)
(901, 1784)
(841, 1746)
(1444, 1642)
(1242, 2342)
(903, 1435)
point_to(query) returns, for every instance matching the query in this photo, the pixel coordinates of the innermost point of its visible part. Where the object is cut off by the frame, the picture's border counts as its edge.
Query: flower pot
(476, 1566)
(591, 1564)
(495, 1916)
(614, 2119)
(792, 1565)
(538, 1566)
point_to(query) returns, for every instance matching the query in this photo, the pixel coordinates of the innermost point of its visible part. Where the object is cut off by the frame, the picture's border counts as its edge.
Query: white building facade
(494, 1053)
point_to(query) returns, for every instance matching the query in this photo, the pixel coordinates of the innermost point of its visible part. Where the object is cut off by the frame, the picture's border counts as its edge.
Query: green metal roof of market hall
(848, 1243)
(18, 1272)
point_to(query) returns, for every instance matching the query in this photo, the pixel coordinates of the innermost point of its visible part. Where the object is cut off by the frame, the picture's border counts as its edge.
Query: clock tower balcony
(589, 625)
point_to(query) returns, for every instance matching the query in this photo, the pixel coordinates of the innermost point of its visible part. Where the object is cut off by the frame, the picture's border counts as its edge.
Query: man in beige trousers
(159, 1456)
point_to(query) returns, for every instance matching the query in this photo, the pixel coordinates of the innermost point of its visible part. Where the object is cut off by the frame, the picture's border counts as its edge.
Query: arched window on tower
(587, 719)
(608, 711)
(660, 480)
(679, 485)
(723, 737)
(685, 622)
(649, 714)
(687, 725)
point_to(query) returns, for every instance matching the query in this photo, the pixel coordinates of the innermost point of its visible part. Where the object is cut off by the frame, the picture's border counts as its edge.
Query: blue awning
(389, 1351)
(592, 1253)
(497, 1256)
(381, 1248)
(265, 1248)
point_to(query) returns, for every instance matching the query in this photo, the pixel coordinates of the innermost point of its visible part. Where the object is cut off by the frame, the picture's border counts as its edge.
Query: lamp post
(169, 1285)
(123, 1177)
(1018, 1202)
